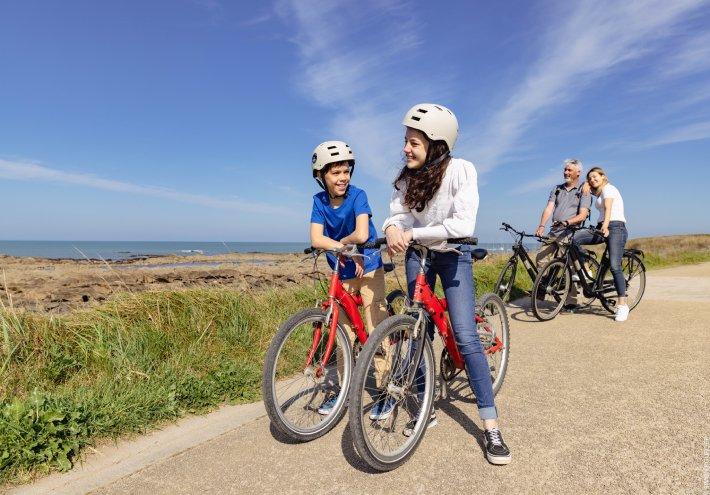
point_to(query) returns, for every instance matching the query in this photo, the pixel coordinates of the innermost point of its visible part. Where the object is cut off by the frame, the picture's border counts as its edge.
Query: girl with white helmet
(435, 197)
(341, 215)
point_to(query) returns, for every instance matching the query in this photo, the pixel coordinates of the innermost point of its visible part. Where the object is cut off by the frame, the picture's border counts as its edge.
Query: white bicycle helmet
(330, 152)
(436, 121)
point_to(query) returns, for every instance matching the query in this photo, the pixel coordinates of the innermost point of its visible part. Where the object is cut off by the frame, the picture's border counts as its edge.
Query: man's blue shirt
(340, 222)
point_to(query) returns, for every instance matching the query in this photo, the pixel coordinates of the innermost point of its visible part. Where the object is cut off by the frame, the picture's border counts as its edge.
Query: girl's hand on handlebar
(540, 230)
(605, 230)
(397, 240)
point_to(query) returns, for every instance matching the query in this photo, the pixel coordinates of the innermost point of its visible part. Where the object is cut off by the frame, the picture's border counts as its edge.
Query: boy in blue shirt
(341, 215)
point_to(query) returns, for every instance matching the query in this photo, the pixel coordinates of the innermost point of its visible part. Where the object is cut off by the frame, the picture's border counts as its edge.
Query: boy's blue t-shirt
(340, 222)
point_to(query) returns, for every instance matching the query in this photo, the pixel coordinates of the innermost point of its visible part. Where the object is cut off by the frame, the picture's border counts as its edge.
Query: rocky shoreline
(60, 285)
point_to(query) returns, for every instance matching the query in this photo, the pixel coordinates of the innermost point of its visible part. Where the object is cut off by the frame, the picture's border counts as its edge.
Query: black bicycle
(506, 279)
(578, 267)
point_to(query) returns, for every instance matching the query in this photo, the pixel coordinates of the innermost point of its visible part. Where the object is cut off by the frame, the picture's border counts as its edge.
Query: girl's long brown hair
(422, 184)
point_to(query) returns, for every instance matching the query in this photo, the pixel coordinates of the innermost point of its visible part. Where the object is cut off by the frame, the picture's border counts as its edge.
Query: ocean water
(118, 250)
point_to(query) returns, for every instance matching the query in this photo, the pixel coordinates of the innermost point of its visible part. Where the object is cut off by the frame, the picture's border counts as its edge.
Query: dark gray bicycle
(506, 280)
(592, 279)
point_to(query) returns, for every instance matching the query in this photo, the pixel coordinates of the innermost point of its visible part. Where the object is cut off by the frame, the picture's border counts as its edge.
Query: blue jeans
(456, 275)
(616, 242)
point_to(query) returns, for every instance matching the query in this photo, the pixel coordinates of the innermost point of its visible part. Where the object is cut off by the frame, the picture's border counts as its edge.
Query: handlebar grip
(507, 226)
(309, 250)
(471, 241)
(374, 244)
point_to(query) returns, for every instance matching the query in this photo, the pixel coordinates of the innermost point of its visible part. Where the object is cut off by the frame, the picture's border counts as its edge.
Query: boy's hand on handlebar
(605, 230)
(540, 230)
(359, 267)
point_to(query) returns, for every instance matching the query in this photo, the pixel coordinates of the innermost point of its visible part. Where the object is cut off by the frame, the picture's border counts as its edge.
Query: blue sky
(196, 119)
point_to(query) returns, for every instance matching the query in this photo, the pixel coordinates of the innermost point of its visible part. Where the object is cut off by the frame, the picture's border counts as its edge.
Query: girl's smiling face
(415, 149)
(337, 179)
(595, 179)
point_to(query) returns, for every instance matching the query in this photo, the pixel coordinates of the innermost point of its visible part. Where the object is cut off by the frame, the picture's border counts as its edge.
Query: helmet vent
(421, 110)
(416, 118)
(332, 147)
(440, 108)
(335, 154)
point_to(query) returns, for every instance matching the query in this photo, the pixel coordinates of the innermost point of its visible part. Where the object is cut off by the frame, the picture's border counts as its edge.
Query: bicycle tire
(549, 283)
(363, 396)
(492, 308)
(276, 407)
(633, 268)
(506, 280)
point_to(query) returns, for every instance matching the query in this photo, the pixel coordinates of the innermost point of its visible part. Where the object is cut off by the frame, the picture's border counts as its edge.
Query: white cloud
(595, 38)
(352, 59)
(545, 182)
(692, 132)
(38, 173)
(691, 57)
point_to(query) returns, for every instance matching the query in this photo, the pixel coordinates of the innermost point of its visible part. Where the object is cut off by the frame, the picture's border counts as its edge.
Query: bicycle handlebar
(367, 245)
(380, 241)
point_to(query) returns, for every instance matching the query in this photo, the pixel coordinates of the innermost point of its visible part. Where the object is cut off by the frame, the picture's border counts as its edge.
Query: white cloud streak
(595, 38)
(545, 182)
(352, 59)
(692, 57)
(691, 132)
(37, 173)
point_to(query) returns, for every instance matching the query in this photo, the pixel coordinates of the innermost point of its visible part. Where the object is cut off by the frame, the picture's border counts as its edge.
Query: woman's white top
(450, 213)
(617, 206)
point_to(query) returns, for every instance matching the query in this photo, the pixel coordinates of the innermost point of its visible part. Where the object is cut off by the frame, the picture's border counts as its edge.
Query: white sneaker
(622, 313)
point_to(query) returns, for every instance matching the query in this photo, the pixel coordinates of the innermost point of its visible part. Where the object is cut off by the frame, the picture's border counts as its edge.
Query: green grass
(123, 367)
(142, 359)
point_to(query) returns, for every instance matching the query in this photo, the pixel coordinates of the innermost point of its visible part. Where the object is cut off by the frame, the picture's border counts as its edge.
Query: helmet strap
(437, 161)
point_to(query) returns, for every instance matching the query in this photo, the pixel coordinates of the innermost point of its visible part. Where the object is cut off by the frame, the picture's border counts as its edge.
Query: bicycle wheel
(550, 290)
(635, 277)
(305, 400)
(506, 280)
(382, 442)
(494, 333)
(396, 302)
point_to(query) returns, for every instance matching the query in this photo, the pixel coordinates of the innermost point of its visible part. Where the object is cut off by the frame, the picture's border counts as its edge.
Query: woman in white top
(435, 198)
(612, 223)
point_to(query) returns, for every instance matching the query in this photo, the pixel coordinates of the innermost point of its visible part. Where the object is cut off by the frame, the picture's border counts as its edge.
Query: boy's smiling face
(337, 179)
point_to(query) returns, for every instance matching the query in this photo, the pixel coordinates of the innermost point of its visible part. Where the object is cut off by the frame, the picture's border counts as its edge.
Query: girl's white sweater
(450, 213)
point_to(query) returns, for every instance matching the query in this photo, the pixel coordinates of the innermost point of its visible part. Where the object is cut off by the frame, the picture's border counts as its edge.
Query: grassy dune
(145, 358)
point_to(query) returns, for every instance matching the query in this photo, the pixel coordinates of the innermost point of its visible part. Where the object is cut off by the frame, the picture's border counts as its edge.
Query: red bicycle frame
(436, 307)
(338, 298)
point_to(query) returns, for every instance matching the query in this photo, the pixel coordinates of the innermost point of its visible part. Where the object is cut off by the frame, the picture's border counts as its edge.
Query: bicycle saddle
(479, 253)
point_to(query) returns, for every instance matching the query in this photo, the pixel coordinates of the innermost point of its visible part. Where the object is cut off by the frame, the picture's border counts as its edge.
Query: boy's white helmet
(436, 121)
(330, 152)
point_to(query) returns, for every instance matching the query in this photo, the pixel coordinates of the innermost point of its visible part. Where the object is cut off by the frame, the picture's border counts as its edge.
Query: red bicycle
(310, 359)
(409, 386)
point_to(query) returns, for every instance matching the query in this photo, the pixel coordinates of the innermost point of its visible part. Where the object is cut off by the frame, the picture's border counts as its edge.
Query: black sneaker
(409, 427)
(496, 450)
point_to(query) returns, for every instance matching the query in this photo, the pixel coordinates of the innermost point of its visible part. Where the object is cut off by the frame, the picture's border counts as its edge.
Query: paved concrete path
(588, 406)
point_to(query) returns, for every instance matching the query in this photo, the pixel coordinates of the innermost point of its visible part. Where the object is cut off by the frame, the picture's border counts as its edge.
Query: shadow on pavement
(350, 454)
(280, 437)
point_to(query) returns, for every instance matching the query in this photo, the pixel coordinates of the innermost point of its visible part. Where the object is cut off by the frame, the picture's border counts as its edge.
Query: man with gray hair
(567, 205)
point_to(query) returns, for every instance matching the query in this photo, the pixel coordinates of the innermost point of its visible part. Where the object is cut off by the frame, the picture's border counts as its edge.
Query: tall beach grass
(145, 358)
